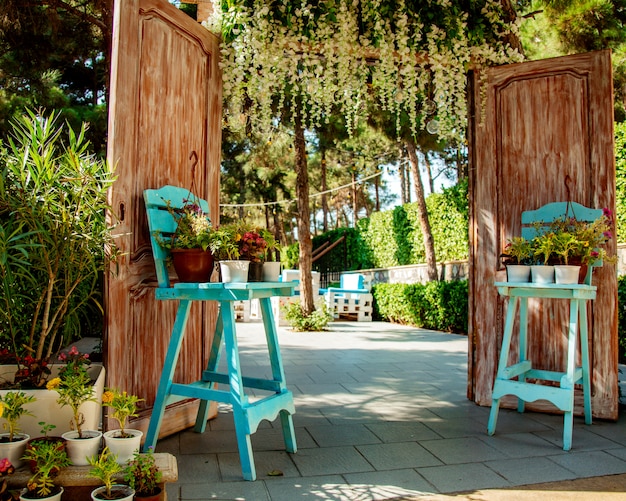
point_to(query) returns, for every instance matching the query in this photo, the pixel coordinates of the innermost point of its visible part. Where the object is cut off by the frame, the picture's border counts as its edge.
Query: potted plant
(53, 206)
(13, 443)
(6, 470)
(143, 475)
(518, 257)
(226, 250)
(252, 247)
(105, 467)
(49, 458)
(45, 429)
(122, 442)
(271, 261)
(190, 245)
(74, 388)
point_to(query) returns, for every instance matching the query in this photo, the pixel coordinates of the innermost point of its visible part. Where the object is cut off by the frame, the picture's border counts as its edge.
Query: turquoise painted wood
(247, 415)
(513, 379)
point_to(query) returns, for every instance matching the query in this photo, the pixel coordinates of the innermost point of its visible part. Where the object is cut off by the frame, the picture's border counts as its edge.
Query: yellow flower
(107, 397)
(1, 409)
(54, 383)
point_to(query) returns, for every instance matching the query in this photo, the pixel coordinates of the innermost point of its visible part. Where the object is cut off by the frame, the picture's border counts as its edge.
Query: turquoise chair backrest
(556, 210)
(160, 221)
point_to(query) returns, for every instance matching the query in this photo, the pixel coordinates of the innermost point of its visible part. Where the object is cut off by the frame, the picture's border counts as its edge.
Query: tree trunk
(422, 213)
(304, 217)
(429, 173)
(324, 194)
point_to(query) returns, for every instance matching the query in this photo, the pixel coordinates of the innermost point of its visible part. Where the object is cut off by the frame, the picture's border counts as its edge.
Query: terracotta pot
(193, 265)
(149, 497)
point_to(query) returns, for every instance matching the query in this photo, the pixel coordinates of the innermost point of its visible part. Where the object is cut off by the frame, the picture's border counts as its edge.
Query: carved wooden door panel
(165, 111)
(532, 125)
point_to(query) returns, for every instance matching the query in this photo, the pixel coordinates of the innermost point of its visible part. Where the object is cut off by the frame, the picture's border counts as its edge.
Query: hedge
(440, 306)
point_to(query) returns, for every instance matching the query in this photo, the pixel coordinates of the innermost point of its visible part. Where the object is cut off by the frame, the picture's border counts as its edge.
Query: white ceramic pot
(128, 493)
(271, 271)
(542, 274)
(52, 497)
(14, 451)
(79, 449)
(566, 274)
(234, 270)
(46, 408)
(519, 273)
(123, 447)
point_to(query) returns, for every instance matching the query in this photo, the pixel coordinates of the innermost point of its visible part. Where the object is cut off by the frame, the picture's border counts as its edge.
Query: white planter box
(47, 409)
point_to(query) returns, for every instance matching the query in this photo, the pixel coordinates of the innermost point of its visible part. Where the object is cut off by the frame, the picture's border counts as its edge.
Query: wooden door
(165, 111)
(532, 125)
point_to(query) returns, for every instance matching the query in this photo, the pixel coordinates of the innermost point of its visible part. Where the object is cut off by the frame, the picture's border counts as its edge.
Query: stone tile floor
(382, 412)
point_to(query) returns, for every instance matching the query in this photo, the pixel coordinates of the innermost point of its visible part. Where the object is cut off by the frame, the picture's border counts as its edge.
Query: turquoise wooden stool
(562, 396)
(247, 415)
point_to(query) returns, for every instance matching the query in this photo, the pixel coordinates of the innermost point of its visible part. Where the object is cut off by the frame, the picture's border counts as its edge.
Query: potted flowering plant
(6, 470)
(122, 442)
(74, 388)
(252, 247)
(13, 443)
(517, 258)
(143, 475)
(49, 458)
(191, 245)
(105, 467)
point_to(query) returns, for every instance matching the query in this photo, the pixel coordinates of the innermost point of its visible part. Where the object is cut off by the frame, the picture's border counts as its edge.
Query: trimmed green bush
(439, 306)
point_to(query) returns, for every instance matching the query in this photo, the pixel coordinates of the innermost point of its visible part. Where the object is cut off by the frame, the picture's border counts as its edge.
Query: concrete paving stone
(330, 460)
(514, 422)
(273, 440)
(331, 487)
(583, 439)
(521, 445)
(195, 468)
(380, 485)
(398, 455)
(223, 491)
(374, 389)
(332, 377)
(618, 453)
(400, 431)
(461, 408)
(305, 417)
(311, 390)
(462, 477)
(462, 450)
(209, 442)
(458, 427)
(264, 462)
(530, 470)
(590, 464)
(353, 434)
(609, 430)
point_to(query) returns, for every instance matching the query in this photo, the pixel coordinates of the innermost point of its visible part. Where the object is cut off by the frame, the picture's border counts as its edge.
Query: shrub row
(439, 306)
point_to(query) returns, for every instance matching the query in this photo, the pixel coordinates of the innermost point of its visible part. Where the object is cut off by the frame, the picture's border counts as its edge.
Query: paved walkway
(382, 413)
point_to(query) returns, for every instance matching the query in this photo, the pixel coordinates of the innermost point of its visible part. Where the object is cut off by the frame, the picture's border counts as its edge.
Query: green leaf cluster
(440, 306)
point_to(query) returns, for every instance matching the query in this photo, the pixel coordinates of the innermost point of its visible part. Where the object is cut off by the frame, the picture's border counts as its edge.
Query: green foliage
(439, 306)
(316, 321)
(620, 171)
(347, 255)
(49, 456)
(142, 473)
(12, 409)
(394, 238)
(53, 204)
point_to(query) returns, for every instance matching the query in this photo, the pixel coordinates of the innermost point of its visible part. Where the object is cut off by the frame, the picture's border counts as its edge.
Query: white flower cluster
(345, 56)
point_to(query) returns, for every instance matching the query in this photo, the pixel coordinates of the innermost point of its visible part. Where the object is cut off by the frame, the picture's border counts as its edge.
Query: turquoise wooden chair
(278, 401)
(513, 379)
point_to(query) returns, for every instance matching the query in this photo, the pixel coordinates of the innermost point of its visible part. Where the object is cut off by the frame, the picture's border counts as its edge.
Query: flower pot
(542, 274)
(566, 274)
(79, 449)
(255, 272)
(192, 265)
(517, 273)
(13, 451)
(119, 492)
(47, 409)
(234, 270)
(123, 447)
(271, 271)
(155, 496)
(56, 494)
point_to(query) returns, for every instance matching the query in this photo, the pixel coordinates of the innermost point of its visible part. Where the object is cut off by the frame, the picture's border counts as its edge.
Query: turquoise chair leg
(169, 366)
(493, 416)
(584, 355)
(214, 360)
